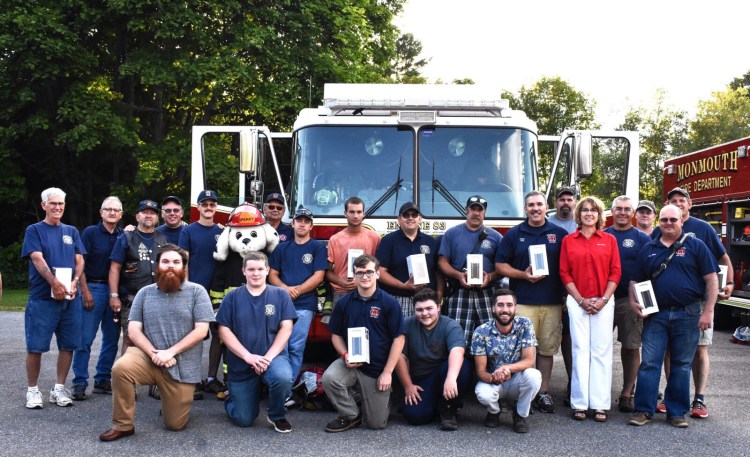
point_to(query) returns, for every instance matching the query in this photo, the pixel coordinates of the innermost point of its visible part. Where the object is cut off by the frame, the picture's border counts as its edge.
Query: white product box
(644, 294)
(538, 260)
(358, 343)
(65, 276)
(417, 264)
(352, 256)
(722, 276)
(474, 269)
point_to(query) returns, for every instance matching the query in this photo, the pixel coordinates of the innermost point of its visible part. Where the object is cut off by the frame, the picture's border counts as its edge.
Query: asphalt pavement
(74, 430)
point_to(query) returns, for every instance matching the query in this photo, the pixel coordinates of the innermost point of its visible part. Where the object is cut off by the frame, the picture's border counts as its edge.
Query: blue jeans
(297, 340)
(676, 328)
(243, 404)
(90, 322)
(432, 393)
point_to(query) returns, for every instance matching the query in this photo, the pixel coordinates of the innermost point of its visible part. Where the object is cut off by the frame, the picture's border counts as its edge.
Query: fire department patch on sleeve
(270, 309)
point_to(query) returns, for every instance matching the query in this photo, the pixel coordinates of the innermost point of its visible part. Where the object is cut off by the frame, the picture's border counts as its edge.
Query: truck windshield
(376, 164)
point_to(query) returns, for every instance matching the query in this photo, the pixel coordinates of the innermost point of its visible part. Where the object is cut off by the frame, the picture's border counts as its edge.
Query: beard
(504, 319)
(169, 281)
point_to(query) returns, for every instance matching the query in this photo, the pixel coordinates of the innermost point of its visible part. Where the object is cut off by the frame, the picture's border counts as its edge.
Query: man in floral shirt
(504, 351)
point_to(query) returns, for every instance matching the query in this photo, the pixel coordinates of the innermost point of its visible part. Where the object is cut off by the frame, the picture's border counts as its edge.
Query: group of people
(437, 335)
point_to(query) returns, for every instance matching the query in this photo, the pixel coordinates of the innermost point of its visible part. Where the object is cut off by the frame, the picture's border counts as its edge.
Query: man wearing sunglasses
(684, 281)
(274, 210)
(396, 247)
(469, 305)
(377, 311)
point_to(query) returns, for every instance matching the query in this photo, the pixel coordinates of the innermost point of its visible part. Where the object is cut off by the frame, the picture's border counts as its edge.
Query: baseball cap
(408, 206)
(646, 204)
(147, 204)
(476, 200)
(303, 212)
(564, 190)
(171, 198)
(207, 195)
(678, 190)
(275, 196)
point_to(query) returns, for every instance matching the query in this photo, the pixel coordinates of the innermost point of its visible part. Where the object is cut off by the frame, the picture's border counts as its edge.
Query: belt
(97, 281)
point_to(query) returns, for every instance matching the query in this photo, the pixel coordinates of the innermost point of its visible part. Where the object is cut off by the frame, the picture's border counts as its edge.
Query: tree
(725, 117)
(407, 64)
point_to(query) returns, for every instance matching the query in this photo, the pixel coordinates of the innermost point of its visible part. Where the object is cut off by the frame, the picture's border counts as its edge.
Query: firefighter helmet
(246, 215)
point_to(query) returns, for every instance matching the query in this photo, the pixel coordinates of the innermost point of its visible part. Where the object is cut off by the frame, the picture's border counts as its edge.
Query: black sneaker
(198, 393)
(519, 424)
(625, 404)
(341, 424)
(448, 417)
(543, 402)
(103, 387)
(79, 392)
(214, 386)
(492, 420)
(280, 425)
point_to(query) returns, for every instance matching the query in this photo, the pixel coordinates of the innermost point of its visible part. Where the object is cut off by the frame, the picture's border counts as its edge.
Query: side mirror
(583, 154)
(248, 151)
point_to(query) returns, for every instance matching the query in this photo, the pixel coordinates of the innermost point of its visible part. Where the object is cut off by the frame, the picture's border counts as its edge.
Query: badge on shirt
(270, 310)
(628, 243)
(374, 312)
(67, 239)
(551, 238)
(424, 249)
(307, 259)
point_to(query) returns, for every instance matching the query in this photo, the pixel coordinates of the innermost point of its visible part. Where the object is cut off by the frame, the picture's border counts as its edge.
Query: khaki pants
(136, 368)
(340, 383)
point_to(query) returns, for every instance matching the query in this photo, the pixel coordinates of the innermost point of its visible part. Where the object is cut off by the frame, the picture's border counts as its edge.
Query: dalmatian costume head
(246, 231)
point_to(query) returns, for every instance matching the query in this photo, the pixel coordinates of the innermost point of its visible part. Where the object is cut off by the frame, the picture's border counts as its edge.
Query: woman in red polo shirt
(590, 271)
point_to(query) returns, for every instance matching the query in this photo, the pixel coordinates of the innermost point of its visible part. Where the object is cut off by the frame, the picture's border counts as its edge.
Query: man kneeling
(509, 343)
(432, 368)
(168, 321)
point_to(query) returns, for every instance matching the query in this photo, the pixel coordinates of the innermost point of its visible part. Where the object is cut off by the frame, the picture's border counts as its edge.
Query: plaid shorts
(470, 308)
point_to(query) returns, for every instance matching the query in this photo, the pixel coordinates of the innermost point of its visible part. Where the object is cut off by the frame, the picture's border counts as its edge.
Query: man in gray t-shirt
(168, 321)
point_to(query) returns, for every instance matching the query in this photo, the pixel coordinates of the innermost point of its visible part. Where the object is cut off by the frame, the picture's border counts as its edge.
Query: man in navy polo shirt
(199, 239)
(380, 313)
(172, 212)
(98, 240)
(53, 307)
(392, 252)
(274, 209)
(298, 267)
(539, 297)
(679, 288)
(629, 325)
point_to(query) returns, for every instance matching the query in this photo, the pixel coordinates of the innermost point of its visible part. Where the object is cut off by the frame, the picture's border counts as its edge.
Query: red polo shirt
(590, 262)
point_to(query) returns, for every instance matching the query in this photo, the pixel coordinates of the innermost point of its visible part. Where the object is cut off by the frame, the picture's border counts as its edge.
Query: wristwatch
(115, 295)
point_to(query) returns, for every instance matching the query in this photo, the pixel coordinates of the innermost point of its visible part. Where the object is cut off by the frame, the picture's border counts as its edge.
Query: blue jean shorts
(43, 318)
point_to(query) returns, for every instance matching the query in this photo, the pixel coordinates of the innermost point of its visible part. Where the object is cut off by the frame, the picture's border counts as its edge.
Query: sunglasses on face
(275, 207)
(671, 220)
(171, 210)
(481, 201)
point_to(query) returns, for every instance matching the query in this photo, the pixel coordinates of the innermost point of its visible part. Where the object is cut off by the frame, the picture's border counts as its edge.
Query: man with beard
(504, 351)
(469, 305)
(168, 322)
(540, 297)
(274, 209)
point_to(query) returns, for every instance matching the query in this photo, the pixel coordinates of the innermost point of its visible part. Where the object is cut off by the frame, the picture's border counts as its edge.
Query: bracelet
(730, 283)
(606, 299)
(343, 355)
(580, 302)
(115, 295)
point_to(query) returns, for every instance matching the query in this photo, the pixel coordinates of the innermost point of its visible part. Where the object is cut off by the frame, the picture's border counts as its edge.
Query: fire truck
(718, 179)
(435, 145)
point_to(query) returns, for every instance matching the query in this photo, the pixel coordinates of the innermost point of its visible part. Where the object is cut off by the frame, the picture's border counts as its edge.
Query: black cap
(171, 198)
(275, 197)
(678, 190)
(476, 200)
(564, 190)
(208, 195)
(303, 212)
(646, 204)
(408, 206)
(148, 204)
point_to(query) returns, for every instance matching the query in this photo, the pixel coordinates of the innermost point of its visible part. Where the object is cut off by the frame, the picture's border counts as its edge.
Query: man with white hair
(55, 254)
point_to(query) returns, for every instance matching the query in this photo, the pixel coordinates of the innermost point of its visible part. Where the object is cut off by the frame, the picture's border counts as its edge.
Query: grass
(14, 300)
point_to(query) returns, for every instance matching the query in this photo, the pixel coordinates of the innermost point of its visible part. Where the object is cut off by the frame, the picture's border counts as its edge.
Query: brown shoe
(114, 435)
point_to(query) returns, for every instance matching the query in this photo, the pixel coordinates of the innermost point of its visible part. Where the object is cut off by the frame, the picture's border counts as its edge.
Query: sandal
(579, 415)
(600, 415)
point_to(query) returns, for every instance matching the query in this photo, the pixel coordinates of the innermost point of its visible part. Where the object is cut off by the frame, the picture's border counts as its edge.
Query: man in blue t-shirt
(679, 288)
(629, 325)
(298, 267)
(255, 322)
(380, 314)
(199, 239)
(468, 304)
(172, 212)
(396, 247)
(539, 296)
(702, 230)
(55, 254)
(274, 209)
(98, 240)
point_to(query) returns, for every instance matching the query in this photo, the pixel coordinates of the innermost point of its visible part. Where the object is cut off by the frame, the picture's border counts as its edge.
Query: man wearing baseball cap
(298, 267)
(172, 212)
(274, 210)
(393, 251)
(645, 214)
(565, 202)
(702, 230)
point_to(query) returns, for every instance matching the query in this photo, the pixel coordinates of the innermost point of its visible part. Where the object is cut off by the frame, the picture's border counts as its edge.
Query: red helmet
(246, 215)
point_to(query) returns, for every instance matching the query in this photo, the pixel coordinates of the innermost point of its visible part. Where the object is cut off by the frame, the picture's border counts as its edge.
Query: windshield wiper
(442, 190)
(392, 189)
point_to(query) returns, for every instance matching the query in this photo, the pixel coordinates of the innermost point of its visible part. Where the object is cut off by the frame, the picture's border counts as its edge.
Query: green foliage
(14, 269)
(725, 117)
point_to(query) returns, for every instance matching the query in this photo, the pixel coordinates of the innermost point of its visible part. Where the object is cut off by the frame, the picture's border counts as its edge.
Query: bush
(15, 270)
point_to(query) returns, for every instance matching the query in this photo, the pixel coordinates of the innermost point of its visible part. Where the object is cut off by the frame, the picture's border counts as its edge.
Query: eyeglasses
(410, 215)
(620, 209)
(275, 207)
(479, 200)
(171, 210)
(208, 205)
(671, 220)
(111, 210)
(55, 203)
(362, 274)
(589, 210)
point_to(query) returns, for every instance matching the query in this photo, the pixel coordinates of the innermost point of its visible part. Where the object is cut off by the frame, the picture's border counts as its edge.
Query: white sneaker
(61, 396)
(34, 400)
